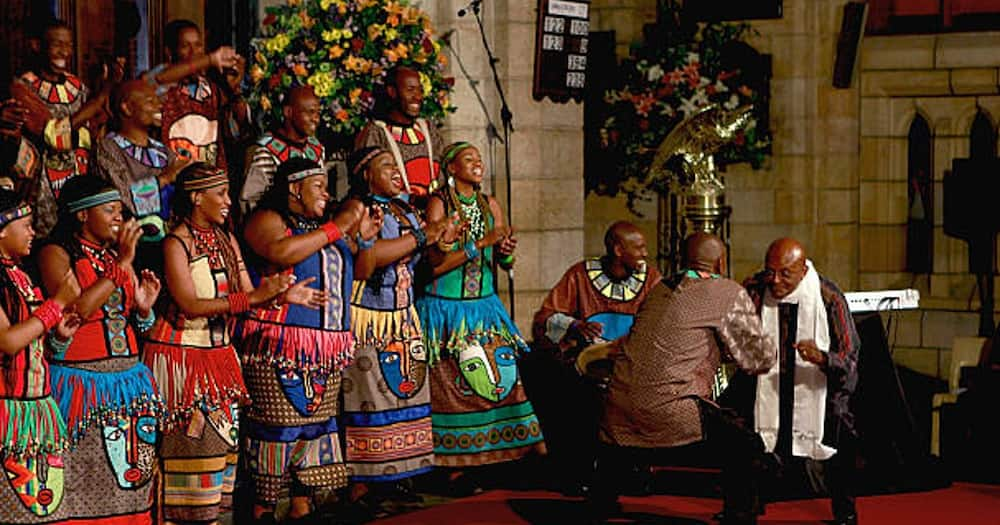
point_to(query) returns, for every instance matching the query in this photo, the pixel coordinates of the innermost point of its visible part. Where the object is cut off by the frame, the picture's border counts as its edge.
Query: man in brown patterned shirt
(661, 386)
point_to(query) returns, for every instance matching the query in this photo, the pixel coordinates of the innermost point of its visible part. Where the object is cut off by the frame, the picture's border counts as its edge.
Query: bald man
(802, 406)
(660, 393)
(296, 138)
(595, 300)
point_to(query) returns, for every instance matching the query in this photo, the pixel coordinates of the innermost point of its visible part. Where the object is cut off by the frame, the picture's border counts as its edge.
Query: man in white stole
(802, 405)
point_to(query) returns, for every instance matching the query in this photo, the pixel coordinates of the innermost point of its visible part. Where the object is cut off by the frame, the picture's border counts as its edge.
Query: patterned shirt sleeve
(742, 334)
(259, 174)
(558, 311)
(842, 359)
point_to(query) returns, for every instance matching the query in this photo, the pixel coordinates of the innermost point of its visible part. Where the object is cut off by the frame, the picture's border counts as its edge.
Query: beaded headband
(7, 217)
(453, 150)
(362, 163)
(216, 178)
(93, 200)
(305, 174)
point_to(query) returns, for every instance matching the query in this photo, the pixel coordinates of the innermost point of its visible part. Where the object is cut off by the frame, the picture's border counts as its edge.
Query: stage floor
(961, 503)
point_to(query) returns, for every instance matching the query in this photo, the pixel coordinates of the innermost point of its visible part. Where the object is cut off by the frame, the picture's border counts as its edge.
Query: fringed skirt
(202, 389)
(386, 417)
(111, 409)
(293, 439)
(481, 413)
(32, 439)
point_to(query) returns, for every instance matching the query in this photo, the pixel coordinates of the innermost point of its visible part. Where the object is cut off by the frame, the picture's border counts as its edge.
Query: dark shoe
(402, 492)
(850, 519)
(463, 486)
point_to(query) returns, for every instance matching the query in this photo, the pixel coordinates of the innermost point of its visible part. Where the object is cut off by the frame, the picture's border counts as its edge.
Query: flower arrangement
(344, 49)
(663, 85)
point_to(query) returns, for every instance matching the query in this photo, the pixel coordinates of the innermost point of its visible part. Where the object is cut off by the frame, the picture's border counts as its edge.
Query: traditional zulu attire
(32, 433)
(803, 410)
(199, 378)
(587, 293)
(293, 357)
(416, 148)
(660, 391)
(133, 170)
(271, 151)
(568, 404)
(193, 118)
(387, 411)
(107, 398)
(64, 150)
(481, 412)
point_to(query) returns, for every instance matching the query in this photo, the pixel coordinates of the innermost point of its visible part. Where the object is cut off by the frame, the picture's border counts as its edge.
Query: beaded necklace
(206, 241)
(471, 210)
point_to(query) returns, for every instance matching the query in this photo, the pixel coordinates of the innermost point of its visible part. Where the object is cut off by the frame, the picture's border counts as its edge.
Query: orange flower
(442, 59)
(307, 21)
(393, 20)
(355, 95)
(342, 115)
(300, 70)
(336, 51)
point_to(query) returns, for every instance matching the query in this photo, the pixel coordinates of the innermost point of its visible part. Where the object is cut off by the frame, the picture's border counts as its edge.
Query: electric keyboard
(881, 300)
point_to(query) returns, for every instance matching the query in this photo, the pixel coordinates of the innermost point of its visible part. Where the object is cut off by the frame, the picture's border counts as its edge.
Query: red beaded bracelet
(332, 232)
(49, 313)
(238, 302)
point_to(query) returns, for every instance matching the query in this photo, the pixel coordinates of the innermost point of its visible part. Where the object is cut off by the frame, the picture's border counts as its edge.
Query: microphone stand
(506, 118)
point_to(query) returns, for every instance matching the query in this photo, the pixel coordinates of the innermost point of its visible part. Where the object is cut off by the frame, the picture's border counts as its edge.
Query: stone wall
(626, 18)
(946, 79)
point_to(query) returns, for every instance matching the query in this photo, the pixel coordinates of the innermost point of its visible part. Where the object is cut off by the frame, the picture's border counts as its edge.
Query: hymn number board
(561, 49)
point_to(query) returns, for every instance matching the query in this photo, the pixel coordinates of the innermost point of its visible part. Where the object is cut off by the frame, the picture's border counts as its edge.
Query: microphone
(471, 6)
(446, 37)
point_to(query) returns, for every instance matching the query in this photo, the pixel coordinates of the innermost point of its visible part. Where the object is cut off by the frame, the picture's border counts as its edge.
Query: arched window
(920, 191)
(982, 138)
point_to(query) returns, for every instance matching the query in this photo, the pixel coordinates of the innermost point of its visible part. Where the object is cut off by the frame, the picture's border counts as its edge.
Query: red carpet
(962, 503)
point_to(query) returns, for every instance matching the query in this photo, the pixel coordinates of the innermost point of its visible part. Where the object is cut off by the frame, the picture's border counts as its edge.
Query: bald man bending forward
(661, 386)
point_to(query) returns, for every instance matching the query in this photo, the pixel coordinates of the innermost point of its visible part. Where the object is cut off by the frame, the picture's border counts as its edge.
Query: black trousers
(808, 478)
(739, 449)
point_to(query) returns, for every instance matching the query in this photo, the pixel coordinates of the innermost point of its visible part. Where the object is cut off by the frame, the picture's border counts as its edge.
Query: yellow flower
(322, 83)
(265, 103)
(329, 35)
(391, 34)
(278, 43)
(374, 31)
(325, 4)
(425, 82)
(347, 33)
